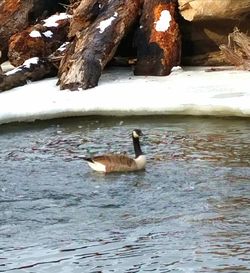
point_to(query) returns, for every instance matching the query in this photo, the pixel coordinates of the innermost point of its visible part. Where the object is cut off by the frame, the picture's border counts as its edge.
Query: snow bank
(187, 92)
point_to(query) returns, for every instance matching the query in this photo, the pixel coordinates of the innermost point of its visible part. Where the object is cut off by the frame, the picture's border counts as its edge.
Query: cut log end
(88, 73)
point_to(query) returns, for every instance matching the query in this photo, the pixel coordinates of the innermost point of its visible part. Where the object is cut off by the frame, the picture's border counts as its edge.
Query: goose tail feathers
(87, 159)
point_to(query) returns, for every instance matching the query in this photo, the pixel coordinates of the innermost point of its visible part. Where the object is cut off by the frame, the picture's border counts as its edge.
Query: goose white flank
(120, 163)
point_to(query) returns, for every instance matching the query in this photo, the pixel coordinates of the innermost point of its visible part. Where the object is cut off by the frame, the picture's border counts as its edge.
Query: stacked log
(159, 40)
(194, 10)
(206, 25)
(237, 51)
(85, 13)
(39, 40)
(79, 47)
(32, 70)
(95, 46)
(16, 15)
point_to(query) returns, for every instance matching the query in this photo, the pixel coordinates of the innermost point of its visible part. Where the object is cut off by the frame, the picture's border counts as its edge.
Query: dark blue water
(188, 212)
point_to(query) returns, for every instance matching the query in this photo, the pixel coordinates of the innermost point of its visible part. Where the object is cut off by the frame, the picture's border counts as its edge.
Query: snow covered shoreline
(188, 91)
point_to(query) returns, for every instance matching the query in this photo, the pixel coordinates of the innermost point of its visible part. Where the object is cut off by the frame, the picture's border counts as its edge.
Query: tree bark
(237, 51)
(39, 40)
(158, 41)
(1, 71)
(94, 47)
(84, 14)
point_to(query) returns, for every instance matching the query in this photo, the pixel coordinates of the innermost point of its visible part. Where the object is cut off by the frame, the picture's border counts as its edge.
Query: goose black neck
(137, 147)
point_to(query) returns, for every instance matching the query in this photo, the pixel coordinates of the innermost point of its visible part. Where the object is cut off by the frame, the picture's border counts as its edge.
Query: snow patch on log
(48, 34)
(26, 64)
(31, 61)
(106, 23)
(52, 20)
(163, 23)
(13, 71)
(35, 34)
(63, 47)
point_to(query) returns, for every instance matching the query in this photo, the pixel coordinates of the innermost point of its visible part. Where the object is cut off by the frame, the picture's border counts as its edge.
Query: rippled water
(188, 212)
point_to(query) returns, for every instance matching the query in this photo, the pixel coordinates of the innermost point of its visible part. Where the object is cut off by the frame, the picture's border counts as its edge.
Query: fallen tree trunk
(94, 47)
(158, 41)
(33, 69)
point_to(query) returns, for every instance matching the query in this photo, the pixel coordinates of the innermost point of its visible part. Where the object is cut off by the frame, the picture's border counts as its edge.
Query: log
(1, 71)
(16, 15)
(13, 18)
(39, 40)
(84, 14)
(197, 10)
(201, 40)
(158, 41)
(32, 70)
(207, 59)
(237, 51)
(94, 47)
(206, 27)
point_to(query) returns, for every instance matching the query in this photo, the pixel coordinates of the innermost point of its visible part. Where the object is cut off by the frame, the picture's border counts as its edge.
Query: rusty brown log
(39, 40)
(16, 15)
(94, 47)
(13, 18)
(158, 41)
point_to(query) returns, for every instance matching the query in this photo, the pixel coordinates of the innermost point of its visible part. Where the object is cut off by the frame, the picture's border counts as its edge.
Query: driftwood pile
(207, 25)
(77, 39)
(80, 41)
(237, 51)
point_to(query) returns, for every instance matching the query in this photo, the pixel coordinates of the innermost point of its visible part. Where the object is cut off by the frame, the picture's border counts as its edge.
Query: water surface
(188, 212)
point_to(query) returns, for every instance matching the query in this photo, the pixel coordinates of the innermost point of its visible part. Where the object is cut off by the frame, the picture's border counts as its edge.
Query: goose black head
(137, 133)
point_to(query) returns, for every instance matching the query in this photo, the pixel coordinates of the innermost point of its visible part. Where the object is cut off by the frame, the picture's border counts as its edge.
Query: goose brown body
(116, 163)
(120, 163)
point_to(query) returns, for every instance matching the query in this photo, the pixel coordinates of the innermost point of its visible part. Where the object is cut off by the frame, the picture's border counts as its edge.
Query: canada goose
(120, 163)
